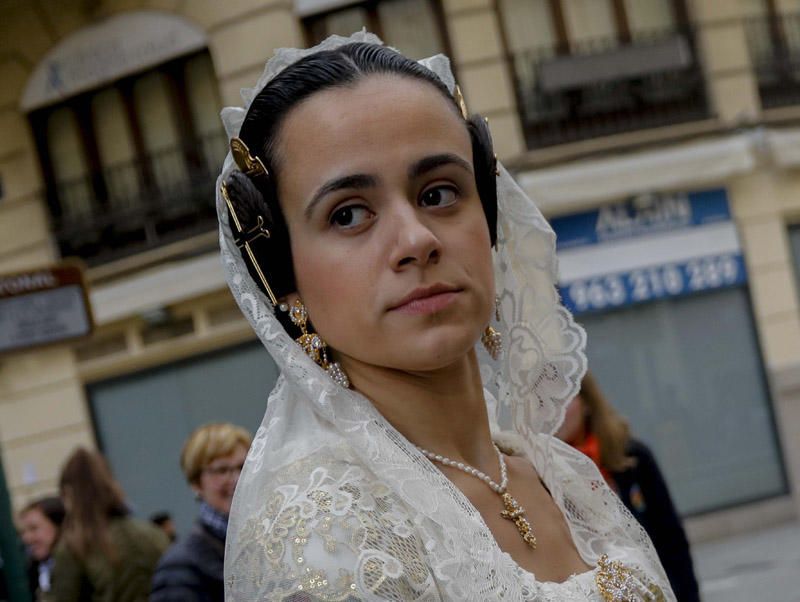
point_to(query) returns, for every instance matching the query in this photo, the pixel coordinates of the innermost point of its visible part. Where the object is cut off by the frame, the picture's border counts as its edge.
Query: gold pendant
(516, 514)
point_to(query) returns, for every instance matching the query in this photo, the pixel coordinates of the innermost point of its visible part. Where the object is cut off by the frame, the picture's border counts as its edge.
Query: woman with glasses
(191, 570)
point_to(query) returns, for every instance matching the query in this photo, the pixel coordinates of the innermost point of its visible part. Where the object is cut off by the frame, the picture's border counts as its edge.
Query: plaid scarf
(213, 520)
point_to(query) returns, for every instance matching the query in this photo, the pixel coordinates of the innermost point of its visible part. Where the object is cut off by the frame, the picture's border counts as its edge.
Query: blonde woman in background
(593, 426)
(192, 570)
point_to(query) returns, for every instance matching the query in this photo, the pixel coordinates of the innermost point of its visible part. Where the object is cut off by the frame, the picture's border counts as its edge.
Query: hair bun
(272, 253)
(247, 200)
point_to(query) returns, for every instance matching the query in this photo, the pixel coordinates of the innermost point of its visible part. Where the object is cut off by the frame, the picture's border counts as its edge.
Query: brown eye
(351, 216)
(439, 196)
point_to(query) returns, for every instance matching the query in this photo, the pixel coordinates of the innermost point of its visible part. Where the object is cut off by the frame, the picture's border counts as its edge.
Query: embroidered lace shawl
(335, 504)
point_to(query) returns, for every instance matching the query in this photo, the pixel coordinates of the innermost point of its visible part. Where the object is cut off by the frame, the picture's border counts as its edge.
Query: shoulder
(195, 550)
(142, 534)
(191, 564)
(325, 525)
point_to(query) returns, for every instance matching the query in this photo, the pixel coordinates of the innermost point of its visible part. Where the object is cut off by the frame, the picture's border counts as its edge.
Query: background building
(660, 135)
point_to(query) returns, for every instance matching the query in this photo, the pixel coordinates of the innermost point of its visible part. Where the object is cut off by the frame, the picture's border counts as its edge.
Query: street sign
(42, 307)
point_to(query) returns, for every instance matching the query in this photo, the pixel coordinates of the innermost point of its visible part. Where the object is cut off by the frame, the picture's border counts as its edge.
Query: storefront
(142, 420)
(660, 284)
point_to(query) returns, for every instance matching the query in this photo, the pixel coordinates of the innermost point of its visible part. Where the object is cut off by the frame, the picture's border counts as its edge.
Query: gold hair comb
(251, 166)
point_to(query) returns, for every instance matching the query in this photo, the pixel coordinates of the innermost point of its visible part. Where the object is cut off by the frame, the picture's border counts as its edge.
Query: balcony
(774, 43)
(603, 88)
(136, 206)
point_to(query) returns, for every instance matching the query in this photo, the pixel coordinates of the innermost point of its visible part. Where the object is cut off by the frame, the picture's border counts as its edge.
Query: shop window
(130, 165)
(168, 403)
(659, 282)
(415, 27)
(686, 373)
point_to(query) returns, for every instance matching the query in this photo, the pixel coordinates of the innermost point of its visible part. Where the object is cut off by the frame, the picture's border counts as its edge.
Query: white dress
(335, 504)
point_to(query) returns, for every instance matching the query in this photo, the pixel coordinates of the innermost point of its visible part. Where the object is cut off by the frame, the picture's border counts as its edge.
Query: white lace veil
(408, 534)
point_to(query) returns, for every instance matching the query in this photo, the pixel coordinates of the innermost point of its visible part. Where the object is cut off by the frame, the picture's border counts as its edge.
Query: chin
(436, 353)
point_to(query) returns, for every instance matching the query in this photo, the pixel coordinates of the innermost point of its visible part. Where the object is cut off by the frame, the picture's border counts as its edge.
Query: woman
(40, 523)
(358, 212)
(191, 570)
(104, 555)
(593, 426)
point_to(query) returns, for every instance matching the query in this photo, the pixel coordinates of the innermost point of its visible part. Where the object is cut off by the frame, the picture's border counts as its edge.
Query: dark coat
(644, 492)
(191, 570)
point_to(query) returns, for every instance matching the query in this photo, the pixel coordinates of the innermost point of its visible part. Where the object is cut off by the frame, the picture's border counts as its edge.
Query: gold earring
(313, 344)
(491, 338)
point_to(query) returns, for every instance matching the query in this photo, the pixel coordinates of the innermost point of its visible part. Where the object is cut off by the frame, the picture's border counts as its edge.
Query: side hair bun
(269, 253)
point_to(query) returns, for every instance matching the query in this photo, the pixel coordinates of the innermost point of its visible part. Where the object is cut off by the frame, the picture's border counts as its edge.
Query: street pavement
(762, 566)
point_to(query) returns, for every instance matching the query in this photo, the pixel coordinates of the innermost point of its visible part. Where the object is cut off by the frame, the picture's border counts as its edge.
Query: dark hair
(51, 507)
(93, 498)
(159, 518)
(344, 66)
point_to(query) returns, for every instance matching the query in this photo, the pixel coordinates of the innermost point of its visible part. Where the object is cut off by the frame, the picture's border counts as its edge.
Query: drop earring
(313, 344)
(492, 339)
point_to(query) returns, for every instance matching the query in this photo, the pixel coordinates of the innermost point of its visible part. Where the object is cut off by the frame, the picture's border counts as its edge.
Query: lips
(425, 300)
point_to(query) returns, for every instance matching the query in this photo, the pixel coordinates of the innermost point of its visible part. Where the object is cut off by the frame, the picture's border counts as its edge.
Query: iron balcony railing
(603, 87)
(774, 43)
(132, 207)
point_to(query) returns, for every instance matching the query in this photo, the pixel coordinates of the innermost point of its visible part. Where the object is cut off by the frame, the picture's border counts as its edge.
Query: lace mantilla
(335, 504)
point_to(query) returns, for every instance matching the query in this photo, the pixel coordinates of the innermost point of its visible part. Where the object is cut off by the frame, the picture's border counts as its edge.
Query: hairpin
(245, 239)
(459, 98)
(251, 166)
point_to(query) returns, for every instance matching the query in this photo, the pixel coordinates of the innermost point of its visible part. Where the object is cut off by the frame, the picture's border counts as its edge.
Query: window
(130, 165)
(589, 68)
(415, 27)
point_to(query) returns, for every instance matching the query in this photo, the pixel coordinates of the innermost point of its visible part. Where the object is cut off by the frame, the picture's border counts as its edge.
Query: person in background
(163, 521)
(40, 523)
(192, 570)
(593, 426)
(103, 554)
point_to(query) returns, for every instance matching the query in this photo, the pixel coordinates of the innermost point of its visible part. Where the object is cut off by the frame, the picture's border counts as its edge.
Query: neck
(442, 411)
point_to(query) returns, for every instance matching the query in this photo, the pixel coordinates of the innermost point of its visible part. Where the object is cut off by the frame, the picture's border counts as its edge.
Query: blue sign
(652, 247)
(642, 216)
(657, 282)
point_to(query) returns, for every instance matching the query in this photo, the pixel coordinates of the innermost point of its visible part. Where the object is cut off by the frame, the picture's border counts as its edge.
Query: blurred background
(661, 137)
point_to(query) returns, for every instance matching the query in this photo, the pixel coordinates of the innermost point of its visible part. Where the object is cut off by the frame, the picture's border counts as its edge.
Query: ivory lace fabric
(335, 504)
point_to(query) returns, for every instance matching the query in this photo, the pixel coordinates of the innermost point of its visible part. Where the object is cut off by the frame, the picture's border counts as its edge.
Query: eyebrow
(353, 181)
(362, 181)
(428, 164)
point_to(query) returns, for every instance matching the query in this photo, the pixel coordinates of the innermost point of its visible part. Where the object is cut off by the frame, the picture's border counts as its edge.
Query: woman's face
(218, 480)
(38, 533)
(390, 244)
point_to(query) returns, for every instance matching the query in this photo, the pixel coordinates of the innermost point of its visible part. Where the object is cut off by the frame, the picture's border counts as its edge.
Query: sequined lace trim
(618, 583)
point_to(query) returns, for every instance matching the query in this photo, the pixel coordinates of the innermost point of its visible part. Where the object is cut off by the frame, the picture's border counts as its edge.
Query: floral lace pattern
(335, 504)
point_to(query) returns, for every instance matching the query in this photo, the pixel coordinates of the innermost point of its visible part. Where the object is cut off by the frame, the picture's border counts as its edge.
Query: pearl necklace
(513, 510)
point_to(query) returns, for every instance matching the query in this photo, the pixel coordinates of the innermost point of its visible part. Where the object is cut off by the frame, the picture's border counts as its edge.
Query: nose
(415, 242)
